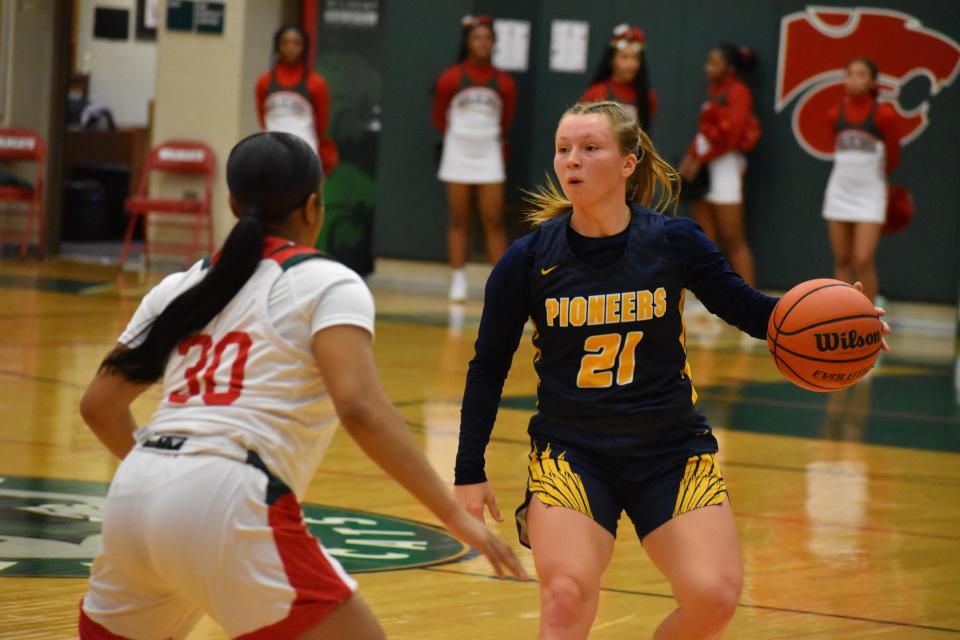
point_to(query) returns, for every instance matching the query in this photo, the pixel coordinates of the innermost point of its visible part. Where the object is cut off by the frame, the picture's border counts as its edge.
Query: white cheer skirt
(726, 178)
(467, 161)
(855, 198)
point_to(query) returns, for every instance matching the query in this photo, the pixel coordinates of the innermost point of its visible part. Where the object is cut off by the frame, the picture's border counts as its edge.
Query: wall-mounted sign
(568, 45)
(111, 24)
(197, 17)
(512, 49)
(361, 14)
(148, 17)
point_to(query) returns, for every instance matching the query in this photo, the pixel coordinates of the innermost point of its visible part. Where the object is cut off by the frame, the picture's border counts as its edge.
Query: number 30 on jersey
(209, 395)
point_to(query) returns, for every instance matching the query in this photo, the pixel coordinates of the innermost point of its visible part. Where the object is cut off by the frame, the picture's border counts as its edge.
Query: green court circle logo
(51, 528)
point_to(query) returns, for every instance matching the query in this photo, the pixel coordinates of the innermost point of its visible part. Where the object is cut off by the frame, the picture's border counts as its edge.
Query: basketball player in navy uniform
(473, 106)
(602, 280)
(294, 99)
(867, 150)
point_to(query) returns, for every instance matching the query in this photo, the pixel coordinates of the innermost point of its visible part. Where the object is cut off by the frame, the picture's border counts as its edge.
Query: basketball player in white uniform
(260, 350)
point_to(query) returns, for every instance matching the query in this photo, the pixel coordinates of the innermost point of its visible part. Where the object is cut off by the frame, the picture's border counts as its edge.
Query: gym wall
(784, 184)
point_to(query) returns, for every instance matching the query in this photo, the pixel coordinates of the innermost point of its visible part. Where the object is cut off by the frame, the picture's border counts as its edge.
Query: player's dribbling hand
(474, 497)
(501, 557)
(880, 312)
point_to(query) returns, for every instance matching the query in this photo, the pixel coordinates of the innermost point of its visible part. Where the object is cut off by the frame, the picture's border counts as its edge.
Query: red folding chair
(177, 157)
(24, 145)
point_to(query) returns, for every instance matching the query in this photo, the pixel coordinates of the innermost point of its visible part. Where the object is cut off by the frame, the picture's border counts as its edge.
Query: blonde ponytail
(546, 203)
(654, 183)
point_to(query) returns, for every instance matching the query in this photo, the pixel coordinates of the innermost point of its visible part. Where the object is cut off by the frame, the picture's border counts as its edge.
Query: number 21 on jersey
(604, 353)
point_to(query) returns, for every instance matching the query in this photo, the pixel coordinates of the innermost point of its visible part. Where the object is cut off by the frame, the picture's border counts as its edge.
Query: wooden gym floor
(848, 505)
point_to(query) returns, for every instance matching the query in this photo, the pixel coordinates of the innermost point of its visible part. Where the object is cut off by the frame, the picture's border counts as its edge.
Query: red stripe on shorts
(90, 630)
(319, 588)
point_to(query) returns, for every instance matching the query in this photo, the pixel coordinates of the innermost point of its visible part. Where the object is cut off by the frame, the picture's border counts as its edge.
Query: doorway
(108, 92)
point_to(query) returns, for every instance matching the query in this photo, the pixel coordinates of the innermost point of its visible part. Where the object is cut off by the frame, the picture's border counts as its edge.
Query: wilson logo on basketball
(844, 341)
(816, 45)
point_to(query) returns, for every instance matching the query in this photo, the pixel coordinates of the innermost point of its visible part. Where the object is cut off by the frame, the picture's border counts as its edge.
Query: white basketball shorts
(187, 534)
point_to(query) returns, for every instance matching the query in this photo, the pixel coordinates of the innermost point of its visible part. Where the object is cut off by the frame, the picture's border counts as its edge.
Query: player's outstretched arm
(344, 355)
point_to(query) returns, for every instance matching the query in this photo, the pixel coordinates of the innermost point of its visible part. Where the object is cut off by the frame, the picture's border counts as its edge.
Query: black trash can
(84, 211)
(114, 179)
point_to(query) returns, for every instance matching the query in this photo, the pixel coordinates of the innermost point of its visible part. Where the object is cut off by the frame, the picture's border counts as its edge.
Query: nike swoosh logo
(544, 272)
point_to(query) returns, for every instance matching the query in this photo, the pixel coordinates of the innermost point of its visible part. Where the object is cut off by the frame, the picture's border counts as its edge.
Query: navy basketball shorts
(602, 476)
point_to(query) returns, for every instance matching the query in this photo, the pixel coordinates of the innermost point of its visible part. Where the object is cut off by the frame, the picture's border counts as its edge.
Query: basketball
(824, 335)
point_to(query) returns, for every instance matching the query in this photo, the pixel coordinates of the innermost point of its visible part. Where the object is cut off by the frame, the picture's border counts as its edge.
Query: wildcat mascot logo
(816, 45)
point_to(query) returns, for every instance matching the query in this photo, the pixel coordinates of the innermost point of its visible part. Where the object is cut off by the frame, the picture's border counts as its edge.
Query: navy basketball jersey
(610, 343)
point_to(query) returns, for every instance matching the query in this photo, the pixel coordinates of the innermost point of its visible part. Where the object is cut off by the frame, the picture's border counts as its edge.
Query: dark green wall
(784, 185)
(421, 40)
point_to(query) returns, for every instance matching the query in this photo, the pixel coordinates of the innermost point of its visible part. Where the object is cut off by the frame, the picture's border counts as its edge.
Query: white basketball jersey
(248, 380)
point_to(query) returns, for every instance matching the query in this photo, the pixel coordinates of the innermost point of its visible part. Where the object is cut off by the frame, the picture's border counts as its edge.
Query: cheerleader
(727, 128)
(473, 105)
(623, 76)
(866, 151)
(293, 99)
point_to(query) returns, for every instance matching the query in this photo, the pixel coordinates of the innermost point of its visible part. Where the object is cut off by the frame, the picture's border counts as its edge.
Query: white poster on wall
(568, 45)
(512, 49)
(151, 14)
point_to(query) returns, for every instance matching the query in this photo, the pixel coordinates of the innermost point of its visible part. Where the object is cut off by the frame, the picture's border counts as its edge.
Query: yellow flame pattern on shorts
(702, 484)
(555, 483)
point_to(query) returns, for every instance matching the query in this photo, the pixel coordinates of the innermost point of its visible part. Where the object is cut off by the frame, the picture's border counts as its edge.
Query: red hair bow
(624, 35)
(472, 22)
